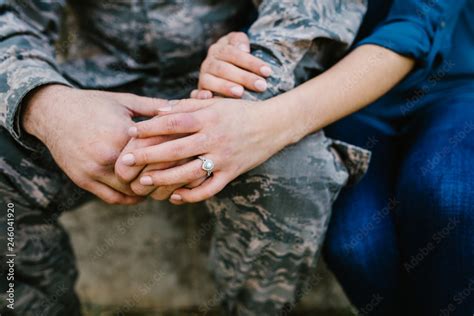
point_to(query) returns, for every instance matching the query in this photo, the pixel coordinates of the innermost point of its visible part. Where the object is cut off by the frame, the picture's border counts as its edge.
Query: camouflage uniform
(270, 222)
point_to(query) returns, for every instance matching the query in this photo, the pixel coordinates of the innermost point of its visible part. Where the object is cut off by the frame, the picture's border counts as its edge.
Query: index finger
(177, 123)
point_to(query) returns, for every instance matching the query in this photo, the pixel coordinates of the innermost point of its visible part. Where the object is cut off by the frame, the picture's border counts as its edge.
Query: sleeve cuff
(26, 78)
(409, 39)
(403, 37)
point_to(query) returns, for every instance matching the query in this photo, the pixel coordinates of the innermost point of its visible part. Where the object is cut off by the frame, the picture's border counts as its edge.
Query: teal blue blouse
(438, 34)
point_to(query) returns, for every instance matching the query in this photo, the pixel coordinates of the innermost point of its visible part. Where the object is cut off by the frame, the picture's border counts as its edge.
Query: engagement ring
(207, 165)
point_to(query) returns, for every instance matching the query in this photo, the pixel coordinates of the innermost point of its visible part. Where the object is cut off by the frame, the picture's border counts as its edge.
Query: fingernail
(266, 71)
(194, 93)
(133, 131)
(165, 109)
(176, 197)
(244, 48)
(146, 180)
(237, 91)
(128, 159)
(261, 85)
(205, 95)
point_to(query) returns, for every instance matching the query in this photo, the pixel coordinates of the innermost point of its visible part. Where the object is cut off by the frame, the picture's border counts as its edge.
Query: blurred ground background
(151, 259)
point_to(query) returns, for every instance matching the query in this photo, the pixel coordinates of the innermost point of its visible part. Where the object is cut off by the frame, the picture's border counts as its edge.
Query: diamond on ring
(207, 165)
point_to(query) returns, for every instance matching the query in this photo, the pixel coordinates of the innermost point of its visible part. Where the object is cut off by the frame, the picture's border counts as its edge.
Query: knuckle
(212, 66)
(106, 156)
(219, 69)
(236, 35)
(213, 49)
(172, 123)
(228, 50)
(143, 156)
(220, 50)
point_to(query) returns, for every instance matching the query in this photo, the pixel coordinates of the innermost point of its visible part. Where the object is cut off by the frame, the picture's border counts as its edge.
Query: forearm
(27, 57)
(359, 79)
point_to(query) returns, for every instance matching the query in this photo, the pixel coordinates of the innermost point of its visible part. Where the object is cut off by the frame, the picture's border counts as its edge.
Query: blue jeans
(401, 242)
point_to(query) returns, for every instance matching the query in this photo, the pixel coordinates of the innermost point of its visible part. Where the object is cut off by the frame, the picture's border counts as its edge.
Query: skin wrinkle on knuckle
(143, 156)
(147, 127)
(212, 66)
(172, 123)
(229, 52)
(220, 69)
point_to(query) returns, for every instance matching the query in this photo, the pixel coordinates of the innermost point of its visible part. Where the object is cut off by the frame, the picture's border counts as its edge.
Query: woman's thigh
(361, 247)
(436, 213)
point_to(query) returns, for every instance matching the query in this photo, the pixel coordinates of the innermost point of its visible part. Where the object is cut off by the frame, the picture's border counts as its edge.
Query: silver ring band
(207, 165)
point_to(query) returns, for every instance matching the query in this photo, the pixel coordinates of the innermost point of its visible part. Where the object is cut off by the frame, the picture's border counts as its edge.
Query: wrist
(38, 106)
(286, 122)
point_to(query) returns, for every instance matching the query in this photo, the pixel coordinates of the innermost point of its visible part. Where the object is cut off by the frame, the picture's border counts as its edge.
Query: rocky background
(150, 260)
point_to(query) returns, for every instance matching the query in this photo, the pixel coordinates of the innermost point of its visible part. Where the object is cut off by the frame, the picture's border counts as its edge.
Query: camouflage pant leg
(44, 265)
(270, 224)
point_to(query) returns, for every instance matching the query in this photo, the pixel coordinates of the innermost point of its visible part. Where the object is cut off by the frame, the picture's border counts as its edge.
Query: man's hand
(85, 131)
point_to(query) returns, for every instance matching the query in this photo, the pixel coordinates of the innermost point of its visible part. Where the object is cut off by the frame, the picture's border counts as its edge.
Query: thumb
(143, 106)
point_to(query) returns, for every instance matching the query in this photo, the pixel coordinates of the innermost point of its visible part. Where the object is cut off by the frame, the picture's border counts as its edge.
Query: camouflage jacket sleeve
(301, 38)
(28, 31)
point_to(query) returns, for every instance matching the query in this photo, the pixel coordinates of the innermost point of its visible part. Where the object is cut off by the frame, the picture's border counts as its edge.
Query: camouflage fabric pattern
(45, 270)
(118, 43)
(270, 222)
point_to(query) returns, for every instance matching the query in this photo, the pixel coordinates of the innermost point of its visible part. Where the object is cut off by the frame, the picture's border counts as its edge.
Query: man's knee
(30, 178)
(43, 269)
(301, 181)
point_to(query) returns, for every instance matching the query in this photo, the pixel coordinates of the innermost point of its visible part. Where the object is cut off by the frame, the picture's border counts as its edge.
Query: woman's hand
(237, 135)
(229, 68)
